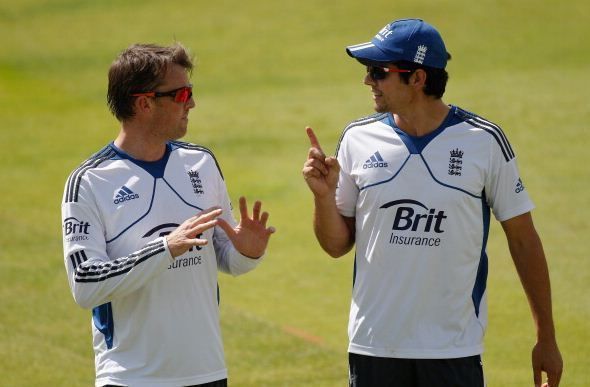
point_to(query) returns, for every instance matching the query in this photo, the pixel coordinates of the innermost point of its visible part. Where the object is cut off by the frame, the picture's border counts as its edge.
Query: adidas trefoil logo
(124, 194)
(375, 161)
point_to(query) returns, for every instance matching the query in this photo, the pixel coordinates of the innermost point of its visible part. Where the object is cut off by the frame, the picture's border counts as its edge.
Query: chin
(380, 109)
(177, 136)
(182, 132)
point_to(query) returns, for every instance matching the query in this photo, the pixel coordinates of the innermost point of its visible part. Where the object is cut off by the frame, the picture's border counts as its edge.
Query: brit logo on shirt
(456, 162)
(196, 182)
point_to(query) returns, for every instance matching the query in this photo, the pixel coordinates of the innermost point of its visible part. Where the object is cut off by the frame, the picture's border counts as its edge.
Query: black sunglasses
(182, 94)
(378, 73)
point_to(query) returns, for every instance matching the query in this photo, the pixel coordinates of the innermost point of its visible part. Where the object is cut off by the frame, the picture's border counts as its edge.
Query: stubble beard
(180, 133)
(380, 108)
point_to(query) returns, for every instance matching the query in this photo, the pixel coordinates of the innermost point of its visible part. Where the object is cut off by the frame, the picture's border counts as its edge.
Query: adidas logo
(519, 186)
(375, 161)
(124, 194)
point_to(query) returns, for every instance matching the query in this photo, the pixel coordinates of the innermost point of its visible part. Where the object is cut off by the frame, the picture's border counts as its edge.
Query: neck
(140, 145)
(422, 118)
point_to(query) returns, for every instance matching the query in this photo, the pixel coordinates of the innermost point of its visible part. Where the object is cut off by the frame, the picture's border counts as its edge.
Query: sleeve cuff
(241, 264)
(167, 252)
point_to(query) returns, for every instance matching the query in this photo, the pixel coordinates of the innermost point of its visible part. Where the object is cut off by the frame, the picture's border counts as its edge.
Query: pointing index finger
(313, 139)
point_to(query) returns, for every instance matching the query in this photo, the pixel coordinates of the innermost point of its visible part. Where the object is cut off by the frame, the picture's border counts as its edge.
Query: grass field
(266, 69)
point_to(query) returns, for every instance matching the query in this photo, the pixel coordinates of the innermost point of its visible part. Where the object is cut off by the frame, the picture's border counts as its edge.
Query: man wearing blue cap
(413, 187)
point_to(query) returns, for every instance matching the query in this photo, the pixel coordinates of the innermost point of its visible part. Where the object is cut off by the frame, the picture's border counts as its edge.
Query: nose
(191, 102)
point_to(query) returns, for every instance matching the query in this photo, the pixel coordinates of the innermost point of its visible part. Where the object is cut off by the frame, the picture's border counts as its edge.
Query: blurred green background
(265, 70)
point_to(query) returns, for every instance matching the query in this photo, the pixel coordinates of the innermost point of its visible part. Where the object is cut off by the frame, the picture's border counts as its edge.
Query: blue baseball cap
(411, 40)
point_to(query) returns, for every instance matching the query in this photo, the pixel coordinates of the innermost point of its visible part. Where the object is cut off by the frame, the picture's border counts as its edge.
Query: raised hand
(320, 172)
(250, 237)
(185, 236)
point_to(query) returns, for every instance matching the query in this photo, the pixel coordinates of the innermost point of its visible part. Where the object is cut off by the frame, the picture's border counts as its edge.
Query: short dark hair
(141, 68)
(436, 79)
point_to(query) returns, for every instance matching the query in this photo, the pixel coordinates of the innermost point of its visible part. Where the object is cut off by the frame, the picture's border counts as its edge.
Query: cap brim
(368, 53)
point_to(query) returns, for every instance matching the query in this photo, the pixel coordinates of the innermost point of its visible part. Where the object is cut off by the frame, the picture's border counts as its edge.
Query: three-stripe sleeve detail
(98, 272)
(73, 184)
(492, 129)
(78, 258)
(360, 121)
(186, 145)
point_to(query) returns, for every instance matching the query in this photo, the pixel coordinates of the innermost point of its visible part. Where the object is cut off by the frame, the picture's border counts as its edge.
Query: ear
(418, 78)
(142, 105)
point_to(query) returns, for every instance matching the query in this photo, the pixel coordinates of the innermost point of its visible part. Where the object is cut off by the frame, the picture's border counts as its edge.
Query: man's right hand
(320, 172)
(185, 236)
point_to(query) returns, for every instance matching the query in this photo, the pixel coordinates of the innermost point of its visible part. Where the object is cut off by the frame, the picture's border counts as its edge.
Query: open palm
(250, 237)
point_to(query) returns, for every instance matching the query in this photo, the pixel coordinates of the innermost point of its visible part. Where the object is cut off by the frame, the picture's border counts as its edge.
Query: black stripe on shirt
(361, 121)
(498, 130)
(78, 258)
(106, 270)
(491, 128)
(186, 145)
(73, 184)
(73, 259)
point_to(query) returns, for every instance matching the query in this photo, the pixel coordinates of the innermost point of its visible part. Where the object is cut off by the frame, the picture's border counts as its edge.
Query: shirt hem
(415, 353)
(212, 377)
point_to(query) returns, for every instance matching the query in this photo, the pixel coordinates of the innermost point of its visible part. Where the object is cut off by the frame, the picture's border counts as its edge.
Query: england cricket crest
(196, 182)
(456, 162)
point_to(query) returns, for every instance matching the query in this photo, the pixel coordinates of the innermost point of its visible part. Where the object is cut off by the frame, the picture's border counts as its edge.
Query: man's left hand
(250, 237)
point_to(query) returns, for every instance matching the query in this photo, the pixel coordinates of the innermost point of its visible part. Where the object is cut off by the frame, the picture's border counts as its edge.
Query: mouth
(376, 94)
